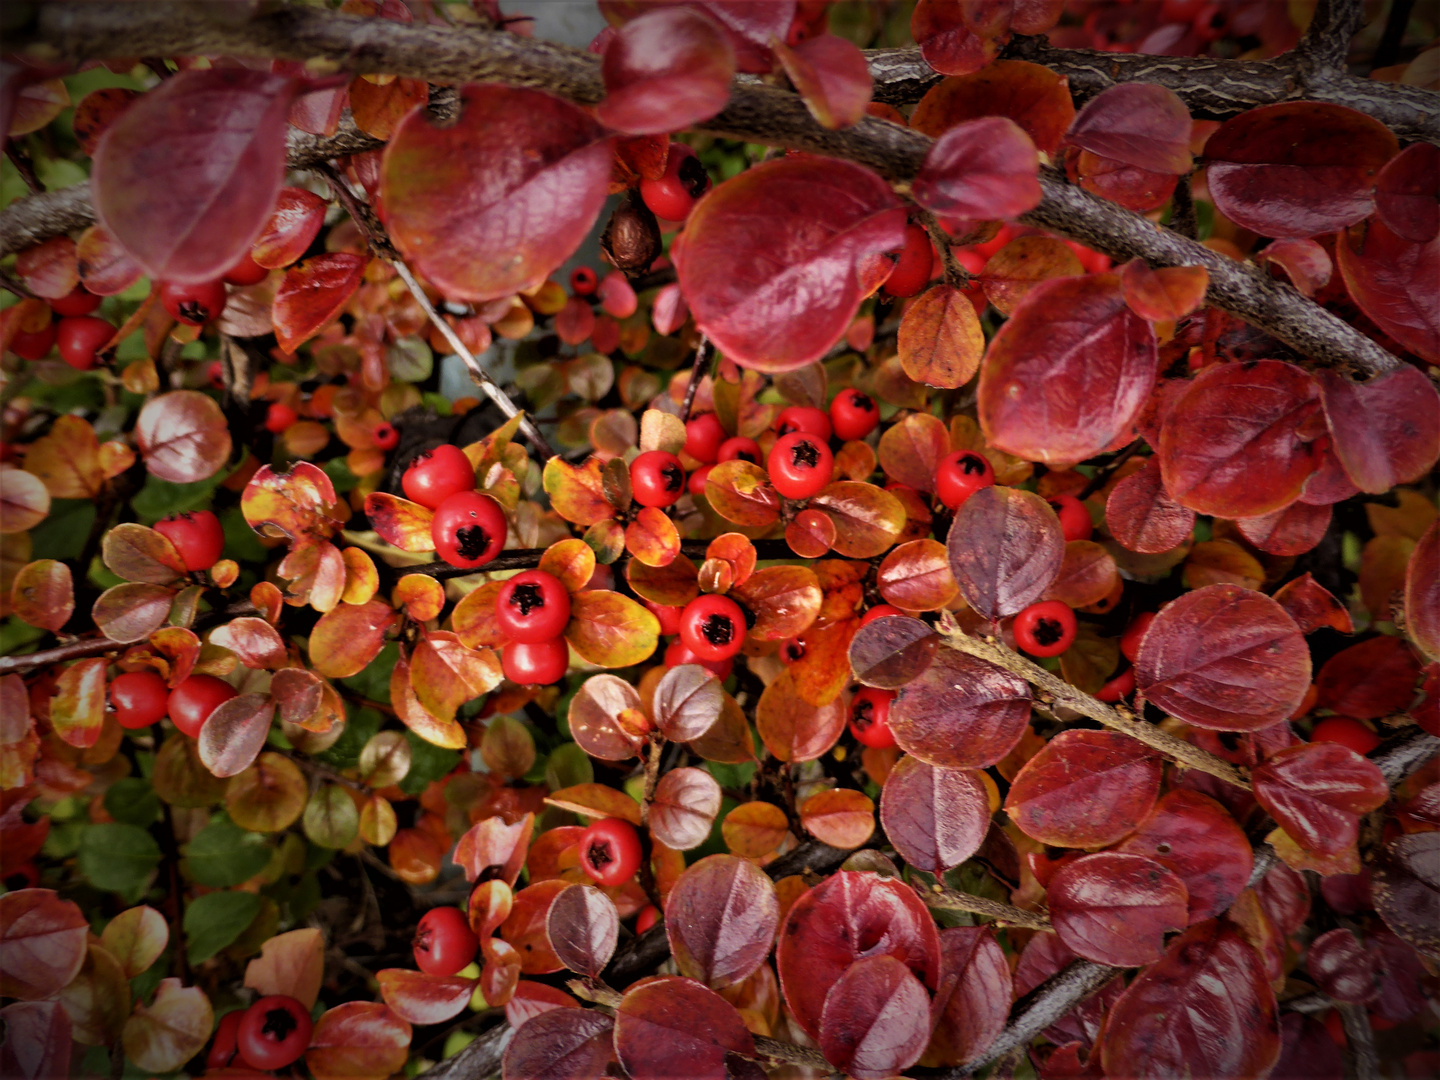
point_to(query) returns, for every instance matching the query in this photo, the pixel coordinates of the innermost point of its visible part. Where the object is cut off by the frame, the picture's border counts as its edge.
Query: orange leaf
(292, 964)
(940, 338)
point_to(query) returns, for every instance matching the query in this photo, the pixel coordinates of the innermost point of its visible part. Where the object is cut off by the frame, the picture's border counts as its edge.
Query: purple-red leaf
(583, 926)
(1386, 431)
(1391, 279)
(560, 1044)
(1006, 547)
(831, 75)
(936, 817)
(1316, 791)
(982, 170)
(1143, 125)
(960, 711)
(670, 1026)
(1196, 837)
(1085, 788)
(876, 1019)
(1142, 517)
(664, 71)
(972, 1001)
(720, 918)
(1407, 193)
(312, 294)
(1342, 967)
(1116, 909)
(183, 436)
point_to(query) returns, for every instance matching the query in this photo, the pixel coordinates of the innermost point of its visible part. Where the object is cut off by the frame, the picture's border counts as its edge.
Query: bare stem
(937, 896)
(697, 374)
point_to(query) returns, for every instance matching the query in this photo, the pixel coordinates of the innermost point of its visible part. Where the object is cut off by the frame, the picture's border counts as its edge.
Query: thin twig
(1359, 1041)
(696, 375)
(956, 276)
(937, 896)
(21, 161)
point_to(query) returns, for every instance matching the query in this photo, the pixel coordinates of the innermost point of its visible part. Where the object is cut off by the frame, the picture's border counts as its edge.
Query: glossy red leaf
(77, 709)
(44, 939)
(1196, 837)
(43, 593)
(1422, 593)
(664, 71)
(424, 999)
(1389, 277)
(1291, 531)
(891, 652)
(359, 1040)
(720, 918)
(876, 1019)
(312, 294)
(255, 642)
(1224, 658)
(980, 169)
(524, 927)
(1065, 378)
(560, 1044)
(783, 230)
(1367, 681)
(936, 817)
(740, 491)
(1085, 789)
(1044, 956)
(1407, 193)
(348, 637)
(183, 436)
(671, 1026)
(916, 576)
(235, 733)
(494, 849)
(1143, 125)
(583, 927)
(847, 917)
(221, 133)
(517, 163)
(1297, 168)
(911, 448)
(1312, 606)
(1316, 791)
(37, 1042)
(1116, 909)
(133, 611)
(1307, 1051)
(750, 26)
(291, 228)
(1006, 547)
(1166, 293)
(683, 811)
(1205, 1009)
(1142, 517)
(50, 269)
(831, 74)
(960, 711)
(947, 42)
(106, 268)
(972, 1001)
(1306, 263)
(1386, 431)
(1341, 967)
(1033, 96)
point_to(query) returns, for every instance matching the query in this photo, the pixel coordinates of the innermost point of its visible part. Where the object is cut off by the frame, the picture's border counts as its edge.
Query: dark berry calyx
(527, 598)
(971, 464)
(693, 177)
(804, 454)
(863, 401)
(1048, 631)
(600, 855)
(718, 630)
(673, 475)
(863, 714)
(192, 311)
(746, 455)
(795, 650)
(279, 1024)
(471, 541)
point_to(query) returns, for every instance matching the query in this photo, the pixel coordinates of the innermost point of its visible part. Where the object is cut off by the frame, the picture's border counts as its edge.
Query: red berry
(225, 1046)
(140, 698)
(800, 464)
(444, 942)
(535, 664)
(385, 437)
(279, 417)
(81, 339)
(583, 281)
(1210, 22)
(698, 479)
(610, 851)
(194, 305)
(215, 374)
(791, 650)
(657, 478)
(678, 653)
(532, 607)
(669, 616)
(1346, 732)
(703, 436)
(713, 627)
(960, 475)
(803, 418)
(192, 702)
(274, 1032)
(79, 301)
(30, 346)
(1119, 687)
(739, 449)
(197, 536)
(1130, 640)
(434, 475)
(853, 415)
(648, 917)
(913, 268)
(1045, 629)
(673, 196)
(1074, 518)
(468, 529)
(870, 717)
(879, 611)
(1181, 10)
(245, 272)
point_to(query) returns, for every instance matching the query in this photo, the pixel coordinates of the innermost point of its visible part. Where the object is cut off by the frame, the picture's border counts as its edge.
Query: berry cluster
(468, 528)
(271, 1034)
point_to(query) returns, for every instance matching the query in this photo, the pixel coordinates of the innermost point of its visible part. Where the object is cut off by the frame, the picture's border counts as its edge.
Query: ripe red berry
(194, 305)
(583, 281)
(698, 479)
(1119, 687)
(803, 418)
(853, 415)
(197, 536)
(1346, 732)
(879, 611)
(648, 917)
(1210, 22)
(191, 703)
(800, 464)
(1045, 629)
(703, 436)
(532, 607)
(960, 475)
(79, 301)
(535, 664)
(385, 436)
(434, 475)
(444, 942)
(1075, 520)
(739, 449)
(140, 698)
(791, 650)
(870, 717)
(33, 346)
(610, 851)
(81, 339)
(279, 417)
(673, 196)
(657, 478)
(678, 653)
(245, 272)
(713, 627)
(468, 529)
(669, 616)
(225, 1046)
(1130, 640)
(274, 1032)
(913, 268)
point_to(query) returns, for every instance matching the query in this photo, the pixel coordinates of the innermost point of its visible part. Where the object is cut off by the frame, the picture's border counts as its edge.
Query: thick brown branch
(75, 650)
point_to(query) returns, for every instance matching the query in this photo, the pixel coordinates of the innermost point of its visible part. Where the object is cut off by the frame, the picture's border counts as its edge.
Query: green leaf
(62, 534)
(567, 766)
(118, 857)
(374, 681)
(216, 919)
(341, 478)
(223, 854)
(161, 498)
(410, 360)
(132, 801)
(344, 753)
(428, 763)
